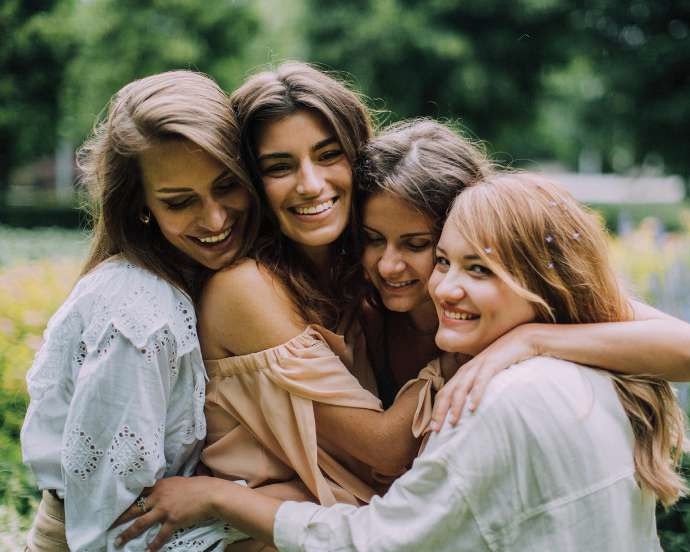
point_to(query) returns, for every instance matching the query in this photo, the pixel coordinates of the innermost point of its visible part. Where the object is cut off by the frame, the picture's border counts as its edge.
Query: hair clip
(576, 235)
(488, 250)
(549, 238)
(549, 265)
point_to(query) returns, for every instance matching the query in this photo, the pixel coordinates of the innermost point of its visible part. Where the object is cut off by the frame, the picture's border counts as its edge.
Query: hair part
(552, 251)
(269, 96)
(422, 162)
(176, 105)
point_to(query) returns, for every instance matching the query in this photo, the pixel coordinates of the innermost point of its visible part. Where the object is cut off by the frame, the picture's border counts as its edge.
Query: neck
(320, 255)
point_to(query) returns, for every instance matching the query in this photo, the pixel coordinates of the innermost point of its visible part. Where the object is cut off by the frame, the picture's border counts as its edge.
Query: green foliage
(33, 51)
(478, 61)
(674, 524)
(121, 40)
(643, 62)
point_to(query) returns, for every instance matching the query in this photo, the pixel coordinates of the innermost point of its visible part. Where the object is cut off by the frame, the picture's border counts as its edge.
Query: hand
(173, 502)
(472, 378)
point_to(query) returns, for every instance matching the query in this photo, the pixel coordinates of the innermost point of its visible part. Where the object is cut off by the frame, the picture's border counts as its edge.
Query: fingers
(138, 527)
(167, 530)
(441, 405)
(480, 385)
(133, 512)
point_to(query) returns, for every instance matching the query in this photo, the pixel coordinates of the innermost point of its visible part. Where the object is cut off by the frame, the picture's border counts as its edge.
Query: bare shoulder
(245, 308)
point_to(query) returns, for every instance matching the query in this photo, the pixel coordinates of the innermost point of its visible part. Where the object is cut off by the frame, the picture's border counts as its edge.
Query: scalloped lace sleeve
(113, 443)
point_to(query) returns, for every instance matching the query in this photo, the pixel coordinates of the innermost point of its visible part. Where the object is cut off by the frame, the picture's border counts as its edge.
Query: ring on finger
(141, 504)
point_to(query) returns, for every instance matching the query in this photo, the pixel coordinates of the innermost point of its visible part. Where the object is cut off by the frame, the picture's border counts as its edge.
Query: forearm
(248, 510)
(659, 347)
(383, 440)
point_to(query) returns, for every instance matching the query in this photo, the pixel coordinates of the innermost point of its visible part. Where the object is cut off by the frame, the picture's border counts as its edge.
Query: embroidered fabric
(117, 394)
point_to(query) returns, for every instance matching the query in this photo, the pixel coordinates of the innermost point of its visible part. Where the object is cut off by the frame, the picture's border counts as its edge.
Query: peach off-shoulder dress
(260, 416)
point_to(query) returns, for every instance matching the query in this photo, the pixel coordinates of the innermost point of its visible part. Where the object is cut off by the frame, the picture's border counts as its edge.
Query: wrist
(536, 338)
(216, 497)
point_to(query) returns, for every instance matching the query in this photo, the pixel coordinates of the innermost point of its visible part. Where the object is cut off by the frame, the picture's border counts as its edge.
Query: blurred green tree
(640, 51)
(33, 51)
(480, 61)
(121, 40)
(602, 83)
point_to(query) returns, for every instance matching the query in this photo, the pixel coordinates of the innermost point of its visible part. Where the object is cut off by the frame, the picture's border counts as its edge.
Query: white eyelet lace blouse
(117, 396)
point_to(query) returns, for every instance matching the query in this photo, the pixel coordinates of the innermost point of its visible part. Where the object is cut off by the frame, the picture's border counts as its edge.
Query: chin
(453, 343)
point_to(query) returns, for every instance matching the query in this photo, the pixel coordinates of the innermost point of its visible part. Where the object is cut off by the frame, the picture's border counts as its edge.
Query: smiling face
(398, 252)
(307, 178)
(474, 306)
(199, 208)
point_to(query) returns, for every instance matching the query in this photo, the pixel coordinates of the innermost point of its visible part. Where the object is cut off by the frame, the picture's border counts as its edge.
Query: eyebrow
(408, 235)
(172, 190)
(282, 154)
(466, 257)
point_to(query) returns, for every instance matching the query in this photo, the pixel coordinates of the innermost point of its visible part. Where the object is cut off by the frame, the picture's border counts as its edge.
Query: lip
(448, 321)
(216, 245)
(317, 217)
(398, 290)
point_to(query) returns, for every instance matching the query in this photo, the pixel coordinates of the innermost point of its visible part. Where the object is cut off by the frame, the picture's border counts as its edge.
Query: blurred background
(596, 92)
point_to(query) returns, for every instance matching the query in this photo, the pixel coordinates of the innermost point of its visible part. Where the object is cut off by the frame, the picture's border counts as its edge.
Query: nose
(214, 216)
(391, 263)
(449, 290)
(310, 182)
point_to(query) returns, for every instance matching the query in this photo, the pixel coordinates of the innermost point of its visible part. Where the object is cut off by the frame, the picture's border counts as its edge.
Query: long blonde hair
(552, 251)
(167, 106)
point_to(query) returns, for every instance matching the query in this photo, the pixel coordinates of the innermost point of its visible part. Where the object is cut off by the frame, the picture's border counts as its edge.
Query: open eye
(277, 168)
(442, 263)
(479, 270)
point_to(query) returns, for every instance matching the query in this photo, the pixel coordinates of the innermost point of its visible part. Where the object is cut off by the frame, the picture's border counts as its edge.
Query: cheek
(434, 281)
(369, 261)
(425, 266)
(274, 195)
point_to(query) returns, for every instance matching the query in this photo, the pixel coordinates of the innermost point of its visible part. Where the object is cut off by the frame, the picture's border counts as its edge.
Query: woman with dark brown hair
(117, 390)
(283, 382)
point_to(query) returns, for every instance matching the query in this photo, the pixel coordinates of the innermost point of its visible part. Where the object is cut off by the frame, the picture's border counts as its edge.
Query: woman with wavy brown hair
(117, 390)
(283, 382)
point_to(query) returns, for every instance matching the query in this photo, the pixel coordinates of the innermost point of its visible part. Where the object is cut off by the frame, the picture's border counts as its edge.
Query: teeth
(459, 315)
(217, 238)
(399, 284)
(315, 209)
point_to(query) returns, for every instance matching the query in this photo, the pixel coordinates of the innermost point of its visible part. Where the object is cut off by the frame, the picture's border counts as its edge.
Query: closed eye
(178, 203)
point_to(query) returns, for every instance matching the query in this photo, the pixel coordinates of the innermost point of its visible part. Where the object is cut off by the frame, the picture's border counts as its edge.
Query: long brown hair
(166, 106)
(424, 163)
(552, 251)
(270, 96)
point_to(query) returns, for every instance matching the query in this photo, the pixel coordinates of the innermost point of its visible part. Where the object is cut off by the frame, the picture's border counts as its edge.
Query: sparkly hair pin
(488, 250)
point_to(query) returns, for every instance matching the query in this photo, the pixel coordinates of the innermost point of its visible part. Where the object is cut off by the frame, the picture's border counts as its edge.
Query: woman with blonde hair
(117, 390)
(558, 456)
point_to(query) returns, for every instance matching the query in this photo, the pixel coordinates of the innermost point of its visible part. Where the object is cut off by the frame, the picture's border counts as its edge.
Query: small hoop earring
(145, 216)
